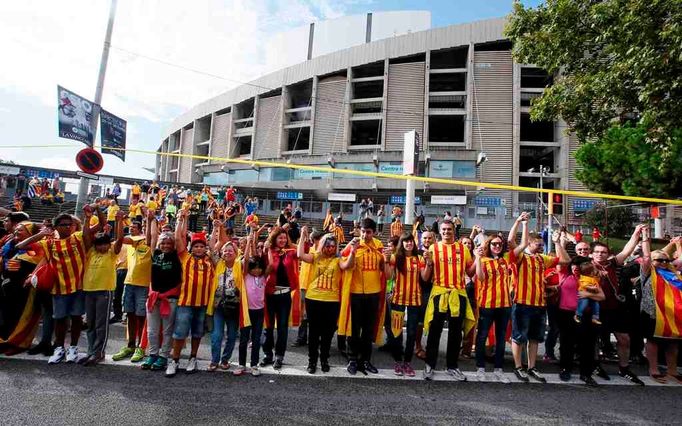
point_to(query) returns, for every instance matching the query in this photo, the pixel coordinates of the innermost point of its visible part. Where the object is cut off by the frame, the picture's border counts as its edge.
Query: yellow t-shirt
(100, 271)
(111, 212)
(122, 259)
(152, 205)
(135, 210)
(139, 263)
(136, 189)
(586, 281)
(325, 279)
(368, 260)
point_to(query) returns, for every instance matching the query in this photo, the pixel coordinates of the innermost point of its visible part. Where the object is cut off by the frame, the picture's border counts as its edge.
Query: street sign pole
(83, 185)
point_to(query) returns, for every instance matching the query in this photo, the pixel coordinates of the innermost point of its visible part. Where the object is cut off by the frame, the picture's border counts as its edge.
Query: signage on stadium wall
(337, 196)
(454, 200)
(395, 169)
(400, 199)
(288, 195)
(9, 170)
(583, 204)
(488, 201)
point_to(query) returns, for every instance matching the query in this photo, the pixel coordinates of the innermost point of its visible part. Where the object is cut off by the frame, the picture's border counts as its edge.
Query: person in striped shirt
(529, 309)
(448, 300)
(406, 267)
(195, 292)
(493, 282)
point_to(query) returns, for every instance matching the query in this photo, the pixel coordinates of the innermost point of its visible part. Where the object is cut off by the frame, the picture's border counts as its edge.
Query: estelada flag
(667, 288)
(397, 318)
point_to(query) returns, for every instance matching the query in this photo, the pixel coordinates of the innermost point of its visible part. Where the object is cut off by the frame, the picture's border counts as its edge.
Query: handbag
(44, 277)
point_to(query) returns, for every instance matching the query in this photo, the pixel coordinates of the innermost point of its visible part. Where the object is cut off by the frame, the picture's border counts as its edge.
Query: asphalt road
(36, 393)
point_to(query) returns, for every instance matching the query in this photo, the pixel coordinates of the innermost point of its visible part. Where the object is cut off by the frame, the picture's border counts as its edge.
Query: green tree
(623, 162)
(615, 221)
(614, 59)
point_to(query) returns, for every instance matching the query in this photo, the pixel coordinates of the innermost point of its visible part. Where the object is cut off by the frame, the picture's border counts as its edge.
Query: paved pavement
(118, 393)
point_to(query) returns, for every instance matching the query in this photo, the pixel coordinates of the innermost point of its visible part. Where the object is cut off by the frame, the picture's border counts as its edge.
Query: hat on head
(198, 237)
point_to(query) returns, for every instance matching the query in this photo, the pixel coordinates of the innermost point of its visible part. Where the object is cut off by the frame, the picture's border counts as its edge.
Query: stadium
(347, 92)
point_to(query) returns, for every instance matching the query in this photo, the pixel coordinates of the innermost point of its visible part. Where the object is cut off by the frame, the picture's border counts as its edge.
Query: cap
(198, 237)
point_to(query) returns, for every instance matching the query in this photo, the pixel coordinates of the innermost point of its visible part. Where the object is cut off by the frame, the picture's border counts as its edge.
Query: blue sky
(54, 43)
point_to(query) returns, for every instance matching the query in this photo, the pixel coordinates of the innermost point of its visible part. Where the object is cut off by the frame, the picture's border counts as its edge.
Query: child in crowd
(589, 282)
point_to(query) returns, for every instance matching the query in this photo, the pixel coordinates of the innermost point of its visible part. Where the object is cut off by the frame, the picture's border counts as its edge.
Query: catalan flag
(667, 290)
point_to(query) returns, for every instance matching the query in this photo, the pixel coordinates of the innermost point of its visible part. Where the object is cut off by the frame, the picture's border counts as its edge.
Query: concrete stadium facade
(457, 86)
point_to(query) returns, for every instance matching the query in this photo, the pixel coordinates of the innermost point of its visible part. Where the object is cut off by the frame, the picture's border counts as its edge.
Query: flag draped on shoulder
(667, 291)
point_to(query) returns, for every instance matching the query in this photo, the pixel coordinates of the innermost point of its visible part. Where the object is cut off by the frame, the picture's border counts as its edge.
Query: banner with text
(113, 131)
(75, 117)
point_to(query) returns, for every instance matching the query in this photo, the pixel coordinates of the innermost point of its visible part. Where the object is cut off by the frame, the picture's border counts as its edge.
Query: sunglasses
(662, 260)
(496, 244)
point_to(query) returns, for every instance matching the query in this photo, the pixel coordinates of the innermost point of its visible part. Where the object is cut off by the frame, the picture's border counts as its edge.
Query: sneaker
(312, 368)
(266, 361)
(124, 353)
(172, 368)
(225, 365)
(601, 373)
(212, 367)
(39, 349)
(627, 374)
(428, 372)
(408, 370)
(456, 374)
(138, 355)
(565, 375)
(148, 362)
(191, 366)
(534, 373)
(521, 374)
(352, 368)
(58, 356)
(398, 369)
(596, 321)
(255, 372)
(370, 368)
(277, 365)
(480, 375)
(549, 358)
(160, 364)
(93, 360)
(500, 376)
(589, 381)
(324, 366)
(72, 354)
(577, 319)
(239, 371)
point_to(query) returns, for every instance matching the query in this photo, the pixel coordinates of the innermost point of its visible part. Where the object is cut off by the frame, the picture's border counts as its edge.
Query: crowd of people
(175, 282)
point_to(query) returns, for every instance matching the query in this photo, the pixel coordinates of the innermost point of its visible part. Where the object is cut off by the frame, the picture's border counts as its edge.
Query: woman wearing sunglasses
(658, 272)
(322, 299)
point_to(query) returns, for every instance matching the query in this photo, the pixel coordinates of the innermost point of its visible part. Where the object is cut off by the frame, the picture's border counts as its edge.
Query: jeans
(156, 324)
(363, 311)
(43, 302)
(118, 293)
(220, 322)
(584, 303)
(253, 333)
(400, 354)
(572, 336)
(302, 337)
(279, 307)
(454, 334)
(322, 321)
(528, 323)
(487, 317)
(97, 307)
(553, 330)
(189, 320)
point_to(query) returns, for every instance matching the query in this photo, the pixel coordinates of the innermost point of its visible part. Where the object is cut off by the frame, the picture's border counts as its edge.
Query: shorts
(69, 305)
(135, 300)
(615, 320)
(528, 323)
(189, 319)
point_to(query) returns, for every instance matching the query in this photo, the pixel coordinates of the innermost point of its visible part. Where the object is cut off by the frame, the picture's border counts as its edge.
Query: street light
(544, 171)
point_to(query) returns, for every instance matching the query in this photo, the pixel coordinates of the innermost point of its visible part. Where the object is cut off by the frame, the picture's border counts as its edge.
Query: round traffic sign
(89, 160)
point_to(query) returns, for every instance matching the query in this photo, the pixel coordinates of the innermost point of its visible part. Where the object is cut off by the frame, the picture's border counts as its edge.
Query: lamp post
(544, 171)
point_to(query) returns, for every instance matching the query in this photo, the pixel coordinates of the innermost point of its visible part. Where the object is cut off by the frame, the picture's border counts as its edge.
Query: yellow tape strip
(262, 163)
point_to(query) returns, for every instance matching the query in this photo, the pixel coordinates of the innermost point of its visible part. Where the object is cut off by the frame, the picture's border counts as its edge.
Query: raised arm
(630, 246)
(181, 232)
(518, 250)
(474, 231)
(300, 249)
(389, 269)
(153, 227)
(511, 238)
(560, 243)
(349, 262)
(646, 251)
(88, 231)
(217, 236)
(478, 254)
(119, 232)
(151, 219)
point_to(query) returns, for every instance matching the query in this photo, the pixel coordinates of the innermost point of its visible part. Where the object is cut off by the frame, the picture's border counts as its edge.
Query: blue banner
(488, 201)
(283, 195)
(74, 115)
(400, 199)
(113, 133)
(583, 205)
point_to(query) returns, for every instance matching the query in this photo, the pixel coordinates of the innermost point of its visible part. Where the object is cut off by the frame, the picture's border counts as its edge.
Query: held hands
(523, 217)
(428, 258)
(555, 236)
(387, 253)
(354, 243)
(478, 252)
(305, 233)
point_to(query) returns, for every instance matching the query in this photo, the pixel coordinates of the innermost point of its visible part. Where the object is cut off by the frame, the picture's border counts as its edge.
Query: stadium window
(449, 58)
(368, 89)
(448, 82)
(243, 146)
(536, 131)
(535, 78)
(365, 132)
(298, 139)
(446, 128)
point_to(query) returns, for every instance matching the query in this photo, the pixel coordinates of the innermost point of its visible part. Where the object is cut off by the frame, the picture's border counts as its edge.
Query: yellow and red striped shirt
(325, 284)
(450, 262)
(197, 280)
(494, 289)
(530, 289)
(406, 290)
(396, 228)
(368, 259)
(67, 256)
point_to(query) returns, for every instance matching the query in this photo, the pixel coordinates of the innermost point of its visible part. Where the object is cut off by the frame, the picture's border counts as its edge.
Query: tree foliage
(623, 162)
(616, 58)
(614, 221)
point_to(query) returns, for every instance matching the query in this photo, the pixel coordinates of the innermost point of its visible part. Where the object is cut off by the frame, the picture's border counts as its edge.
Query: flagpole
(84, 182)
